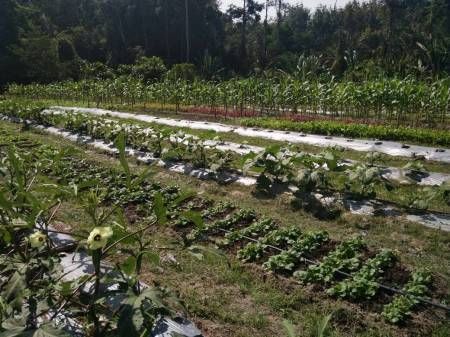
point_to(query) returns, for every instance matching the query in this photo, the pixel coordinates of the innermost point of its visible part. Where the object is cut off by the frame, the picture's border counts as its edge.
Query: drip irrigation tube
(342, 273)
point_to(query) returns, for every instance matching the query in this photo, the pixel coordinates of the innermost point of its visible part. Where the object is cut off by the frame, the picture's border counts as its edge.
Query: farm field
(223, 237)
(225, 168)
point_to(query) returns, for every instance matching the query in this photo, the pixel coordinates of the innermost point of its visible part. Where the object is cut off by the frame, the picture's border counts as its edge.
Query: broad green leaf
(17, 332)
(5, 203)
(273, 150)
(14, 290)
(65, 288)
(120, 144)
(184, 195)
(195, 217)
(129, 266)
(131, 319)
(151, 257)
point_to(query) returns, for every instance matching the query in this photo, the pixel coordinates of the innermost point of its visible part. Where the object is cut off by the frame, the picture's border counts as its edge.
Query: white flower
(37, 239)
(98, 238)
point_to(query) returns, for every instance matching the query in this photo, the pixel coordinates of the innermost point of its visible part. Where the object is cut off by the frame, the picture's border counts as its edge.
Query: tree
(150, 69)
(248, 13)
(40, 59)
(10, 23)
(188, 43)
(389, 37)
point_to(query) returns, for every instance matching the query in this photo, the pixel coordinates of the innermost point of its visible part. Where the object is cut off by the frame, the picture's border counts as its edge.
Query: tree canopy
(47, 40)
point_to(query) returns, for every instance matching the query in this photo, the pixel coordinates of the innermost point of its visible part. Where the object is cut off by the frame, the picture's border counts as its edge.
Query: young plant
(362, 181)
(274, 166)
(402, 305)
(289, 259)
(256, 229)
(363, 284)
(242, 216)
(346, 258)
(280, 238)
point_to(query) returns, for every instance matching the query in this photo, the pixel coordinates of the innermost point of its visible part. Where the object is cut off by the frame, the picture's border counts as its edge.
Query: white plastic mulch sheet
(387, 147)
(368, 207)
(79, 264)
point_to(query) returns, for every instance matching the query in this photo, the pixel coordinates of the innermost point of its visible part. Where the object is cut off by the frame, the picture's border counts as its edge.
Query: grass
(227, 298)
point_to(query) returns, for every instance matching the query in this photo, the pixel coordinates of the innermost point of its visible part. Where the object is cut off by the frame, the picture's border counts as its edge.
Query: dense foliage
(51, 40)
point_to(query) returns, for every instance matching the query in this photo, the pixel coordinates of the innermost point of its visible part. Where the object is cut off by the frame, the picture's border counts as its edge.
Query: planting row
(167, 142)
(348, 270)
(402, 102)
(355, 130)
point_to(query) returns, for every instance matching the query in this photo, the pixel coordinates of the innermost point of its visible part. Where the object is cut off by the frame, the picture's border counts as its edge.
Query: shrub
(182, 71)
(96, 70)
(150, 69)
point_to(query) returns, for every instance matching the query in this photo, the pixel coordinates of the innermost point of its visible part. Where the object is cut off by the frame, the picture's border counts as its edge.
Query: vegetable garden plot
(364, 207)
(295, 244)
(386, 147)
(429, 219)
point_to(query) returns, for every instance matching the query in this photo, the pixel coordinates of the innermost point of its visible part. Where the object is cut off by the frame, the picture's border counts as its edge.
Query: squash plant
(362, 181)
(274, 166)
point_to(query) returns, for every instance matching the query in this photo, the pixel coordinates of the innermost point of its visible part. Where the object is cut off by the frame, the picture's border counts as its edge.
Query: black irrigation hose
(380, 285)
